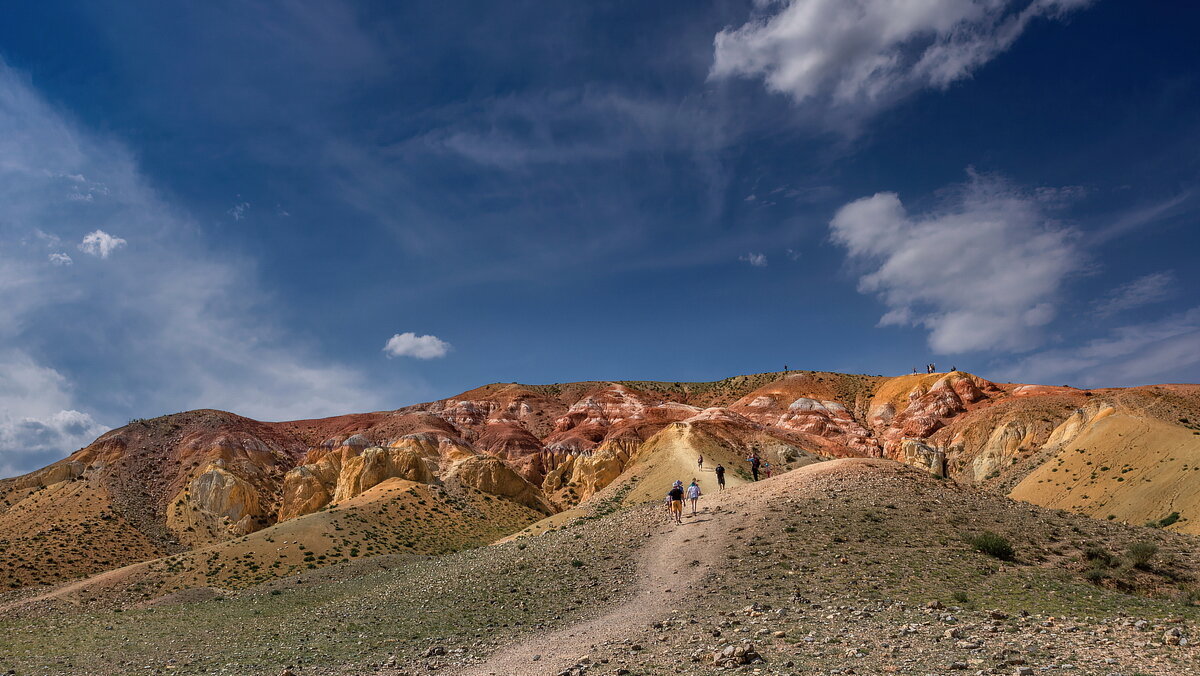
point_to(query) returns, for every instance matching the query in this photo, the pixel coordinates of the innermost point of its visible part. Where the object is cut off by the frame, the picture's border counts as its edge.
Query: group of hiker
(691, 493)
(675, 497)
(932, 368)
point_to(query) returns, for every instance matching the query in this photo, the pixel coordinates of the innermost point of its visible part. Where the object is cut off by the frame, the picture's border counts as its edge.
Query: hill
(845, 564)
(189, 482)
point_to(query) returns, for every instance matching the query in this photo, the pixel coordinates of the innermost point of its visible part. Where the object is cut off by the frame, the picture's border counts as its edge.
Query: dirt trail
(673, 564)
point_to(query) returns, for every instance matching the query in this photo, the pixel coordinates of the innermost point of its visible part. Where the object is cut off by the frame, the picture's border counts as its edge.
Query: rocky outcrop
(578, 476)
(923, 455)
(492, 475)
(828, 420)
(223, 494)
(341, 474)
(899, 414)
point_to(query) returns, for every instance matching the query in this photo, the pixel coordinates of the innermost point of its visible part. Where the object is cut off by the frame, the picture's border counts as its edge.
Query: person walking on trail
(700, 462)
(720, 470)
(676, 498)
(767, 469)
(755, 464)
(693, 494)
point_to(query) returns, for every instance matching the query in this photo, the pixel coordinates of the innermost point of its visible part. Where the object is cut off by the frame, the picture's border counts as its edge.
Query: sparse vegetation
(992, 544)
(1141, 553)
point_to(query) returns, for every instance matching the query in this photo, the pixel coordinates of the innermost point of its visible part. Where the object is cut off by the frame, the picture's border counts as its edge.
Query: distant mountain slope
(192, 480)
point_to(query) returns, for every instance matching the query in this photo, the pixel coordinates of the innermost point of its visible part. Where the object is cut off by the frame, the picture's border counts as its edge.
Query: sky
(305, 208)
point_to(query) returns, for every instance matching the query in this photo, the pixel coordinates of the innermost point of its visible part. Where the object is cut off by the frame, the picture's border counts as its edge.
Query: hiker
(720, 470)
(700, 462)
(676, 501)
(767, 469)
(755, 464)
(693, 494)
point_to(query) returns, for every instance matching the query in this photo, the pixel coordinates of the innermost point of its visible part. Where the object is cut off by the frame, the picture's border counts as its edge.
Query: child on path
(693, 494)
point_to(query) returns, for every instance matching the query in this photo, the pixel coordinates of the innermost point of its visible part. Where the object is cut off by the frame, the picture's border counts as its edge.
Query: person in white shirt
(693, 494)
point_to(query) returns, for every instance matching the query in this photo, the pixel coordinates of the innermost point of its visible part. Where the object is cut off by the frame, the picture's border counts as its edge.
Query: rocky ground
(842, 567)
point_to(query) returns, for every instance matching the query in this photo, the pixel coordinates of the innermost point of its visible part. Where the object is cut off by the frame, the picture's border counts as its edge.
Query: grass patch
(992, 544)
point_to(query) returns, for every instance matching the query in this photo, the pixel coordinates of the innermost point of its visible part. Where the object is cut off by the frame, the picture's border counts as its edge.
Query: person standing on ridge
(676, 497)
(700, 462)
(693, 494)
(720, 470)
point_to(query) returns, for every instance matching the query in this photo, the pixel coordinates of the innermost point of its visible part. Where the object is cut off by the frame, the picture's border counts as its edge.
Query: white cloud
(856, 57)
(43, 427)
(182, 325)
(982, 271)
(1145, 290)
(60, 259)
(757, 260)
(100, 243)
(1165, 350)
(409, 344)
(238, 211)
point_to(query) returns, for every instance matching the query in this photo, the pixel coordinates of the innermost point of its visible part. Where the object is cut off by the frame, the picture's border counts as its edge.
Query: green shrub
(1140, 554)
(1097, 573)
(1098, 555)
(1165, 521)
(992, 544)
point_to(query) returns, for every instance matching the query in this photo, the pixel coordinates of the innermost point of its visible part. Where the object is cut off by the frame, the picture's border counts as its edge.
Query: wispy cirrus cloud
(1151, 288)
(852, 58)
(238, 211)
(178, 325)
(1162, 350)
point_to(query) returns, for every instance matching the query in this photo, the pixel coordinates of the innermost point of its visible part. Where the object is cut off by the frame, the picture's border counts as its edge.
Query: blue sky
(299, 209)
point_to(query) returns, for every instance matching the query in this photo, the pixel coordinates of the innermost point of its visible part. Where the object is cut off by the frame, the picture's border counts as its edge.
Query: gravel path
(673, 563)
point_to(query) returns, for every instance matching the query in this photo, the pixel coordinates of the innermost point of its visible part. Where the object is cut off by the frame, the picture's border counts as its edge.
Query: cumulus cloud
(409, 344)
(60, 259)
(981, 271)
(1145, 290)
(100, 243)
(1164, 350)
(758, 260)
(859, 56)
(44, 427)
